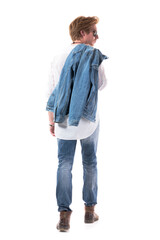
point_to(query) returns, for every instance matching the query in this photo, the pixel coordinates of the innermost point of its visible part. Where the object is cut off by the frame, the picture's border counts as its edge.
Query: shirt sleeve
(54, 74)
(55, 71)
(102, 80)
(51, 82)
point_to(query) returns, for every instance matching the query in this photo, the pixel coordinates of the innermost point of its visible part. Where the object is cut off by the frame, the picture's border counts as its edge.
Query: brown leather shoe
(64, 222)
(90, 215)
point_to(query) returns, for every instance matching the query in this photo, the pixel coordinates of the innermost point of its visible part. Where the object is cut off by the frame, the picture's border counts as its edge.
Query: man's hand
(52, 127)
(52, 130)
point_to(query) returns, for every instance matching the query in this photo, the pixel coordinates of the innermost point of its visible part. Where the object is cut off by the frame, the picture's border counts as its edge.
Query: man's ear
(82, 33)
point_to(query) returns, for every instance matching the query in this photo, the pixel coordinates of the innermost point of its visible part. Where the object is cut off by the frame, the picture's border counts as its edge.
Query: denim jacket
(76, 93)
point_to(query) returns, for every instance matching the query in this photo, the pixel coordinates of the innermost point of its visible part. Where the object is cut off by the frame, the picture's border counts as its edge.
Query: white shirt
(85, 127)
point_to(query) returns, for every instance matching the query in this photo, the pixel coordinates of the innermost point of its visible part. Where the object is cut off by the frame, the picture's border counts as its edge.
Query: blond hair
(79, 24)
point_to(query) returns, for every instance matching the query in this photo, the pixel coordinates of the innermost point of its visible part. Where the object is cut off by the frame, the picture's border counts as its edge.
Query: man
(77, 75)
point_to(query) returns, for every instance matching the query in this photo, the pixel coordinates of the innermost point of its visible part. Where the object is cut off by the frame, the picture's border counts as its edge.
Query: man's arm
(51, 123)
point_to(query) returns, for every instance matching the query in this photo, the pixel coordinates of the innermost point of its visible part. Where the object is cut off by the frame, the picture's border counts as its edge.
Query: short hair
(79, 24)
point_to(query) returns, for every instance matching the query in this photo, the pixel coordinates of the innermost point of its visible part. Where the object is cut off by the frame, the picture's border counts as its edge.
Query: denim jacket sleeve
(84, 95)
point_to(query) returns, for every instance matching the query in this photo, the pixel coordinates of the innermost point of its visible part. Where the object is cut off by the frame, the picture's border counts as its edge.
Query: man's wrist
(51, 121)
(51, 124)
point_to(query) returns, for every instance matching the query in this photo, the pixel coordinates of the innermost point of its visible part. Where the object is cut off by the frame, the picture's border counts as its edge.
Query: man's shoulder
(60, 58)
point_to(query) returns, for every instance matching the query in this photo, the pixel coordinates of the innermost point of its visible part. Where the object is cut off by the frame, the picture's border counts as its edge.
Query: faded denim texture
(76, 93)
(66, 152)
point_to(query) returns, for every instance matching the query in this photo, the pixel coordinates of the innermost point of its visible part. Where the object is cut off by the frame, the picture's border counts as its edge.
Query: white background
(32, 32)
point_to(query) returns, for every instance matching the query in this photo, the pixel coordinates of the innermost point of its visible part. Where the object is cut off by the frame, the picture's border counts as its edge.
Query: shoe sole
(62, 229)
(91, 221)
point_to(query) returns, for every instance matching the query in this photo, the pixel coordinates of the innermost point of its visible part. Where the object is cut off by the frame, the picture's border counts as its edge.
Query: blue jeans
(66, 152)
